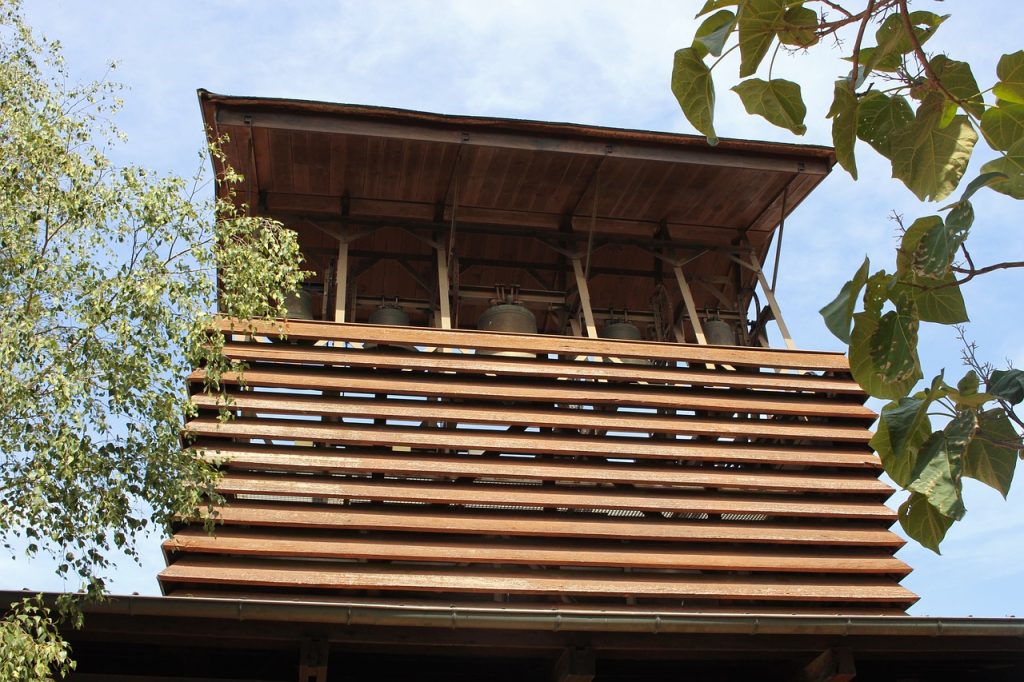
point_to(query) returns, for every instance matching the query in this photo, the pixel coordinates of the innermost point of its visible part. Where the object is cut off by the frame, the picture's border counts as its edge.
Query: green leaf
(937, 247)
(939, 300)
(759, 21)
(987, 459)
(879, 117)
(958, 79)
(893, 346)
(844, 126)
(1003, 124)
(939, 465)
(863, 364)
(892, 39)
(1011, 78)
(969, 384)
(799, 27)
(928, 159)
(838, 314)
(923, 522)
(712, 5)
(715, 31)
(903, 428)
(983, 180)
(1012, 166)
(1007, 384)
(778, 101)
(966, 394)
(693, 88)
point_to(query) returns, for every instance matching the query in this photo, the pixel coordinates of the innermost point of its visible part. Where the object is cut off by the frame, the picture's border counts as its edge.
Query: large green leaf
(693, 88)
(839, 313)
(844, 126)
(903, 428)
(938, 300)
(1012, 166)
(1007, 384)
(987, 458)
(939, 465)
(929, 159)
(714, 31)
(893, 41)
(864, 367)
(893, 346)
(937, 247)
(1003, 124)
(959, 80)
(923, 522)
(799, 26)
(1011, 78)
(879, 116)
(778, 101)
(759, 22)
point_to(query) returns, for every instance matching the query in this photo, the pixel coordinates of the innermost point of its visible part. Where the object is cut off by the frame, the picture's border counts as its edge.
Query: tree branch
(933, 77)
(973, 272)
(856, 46)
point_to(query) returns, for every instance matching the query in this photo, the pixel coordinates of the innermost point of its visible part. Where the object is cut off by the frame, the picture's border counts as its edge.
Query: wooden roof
(511, 197)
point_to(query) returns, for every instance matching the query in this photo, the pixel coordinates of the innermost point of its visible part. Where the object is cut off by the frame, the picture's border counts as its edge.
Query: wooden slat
(407, 464)
(466, 439)
(318, 575)
(536, 524)
(524, 367)
(554, 497)
(286, 544)
(446, 386)
(537, 343)
(429, 411)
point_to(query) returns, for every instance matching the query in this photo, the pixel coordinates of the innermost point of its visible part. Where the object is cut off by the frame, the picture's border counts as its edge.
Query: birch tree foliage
(109, 277)
(925, 113)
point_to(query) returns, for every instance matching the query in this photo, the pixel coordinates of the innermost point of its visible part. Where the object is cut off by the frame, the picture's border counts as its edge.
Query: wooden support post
(833, 665)
(772, 303)
(584, 291)
(445, 319)
(691, 308)
(313, 661)
(341, 282)
(576, 664)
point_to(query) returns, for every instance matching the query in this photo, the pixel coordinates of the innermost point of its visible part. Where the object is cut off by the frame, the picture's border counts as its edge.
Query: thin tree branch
(933, 77)
(856, 46)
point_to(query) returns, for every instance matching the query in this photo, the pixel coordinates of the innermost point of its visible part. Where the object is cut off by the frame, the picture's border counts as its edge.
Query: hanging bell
(300, 305)
(719, 332)
(624, 330)
(511, 318)
(389, 314)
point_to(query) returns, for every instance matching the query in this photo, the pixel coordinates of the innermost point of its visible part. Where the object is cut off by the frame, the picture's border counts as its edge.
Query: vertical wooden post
(581, 286)
(341, 282)
(691, 308)
(772, 303)
(442, 287)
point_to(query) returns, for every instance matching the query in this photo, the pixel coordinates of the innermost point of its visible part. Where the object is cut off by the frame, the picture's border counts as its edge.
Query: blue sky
(605, 63)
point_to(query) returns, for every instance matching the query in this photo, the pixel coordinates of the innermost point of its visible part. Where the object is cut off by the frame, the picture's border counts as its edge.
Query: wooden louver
(570, 478)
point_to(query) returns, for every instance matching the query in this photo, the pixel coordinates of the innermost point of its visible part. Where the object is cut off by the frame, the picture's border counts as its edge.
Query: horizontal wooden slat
(405, 464)
(562, 392)
(465, 439)
(536, 524)
(526, 367)
(421, 410)
(318, 575)
(537, 343)
(286, 544)
(554, 497)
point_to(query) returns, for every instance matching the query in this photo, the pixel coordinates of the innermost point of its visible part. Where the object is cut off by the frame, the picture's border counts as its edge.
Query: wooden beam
(445, 318)
(576, 664)
(833, 665)
(770, 295)
(691, 308)
(584, 291)
(341, 282)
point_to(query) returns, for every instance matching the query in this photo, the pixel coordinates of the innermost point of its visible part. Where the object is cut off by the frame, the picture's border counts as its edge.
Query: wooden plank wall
(577, 477)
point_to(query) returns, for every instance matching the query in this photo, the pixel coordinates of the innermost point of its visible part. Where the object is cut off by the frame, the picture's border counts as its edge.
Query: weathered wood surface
(323, 546)
(538, 343)
(318, 575)
(430, 520)
(269, 458)
(539, 477)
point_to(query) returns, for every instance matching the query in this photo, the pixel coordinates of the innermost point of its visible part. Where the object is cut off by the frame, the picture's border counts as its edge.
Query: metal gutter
(555, 619)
